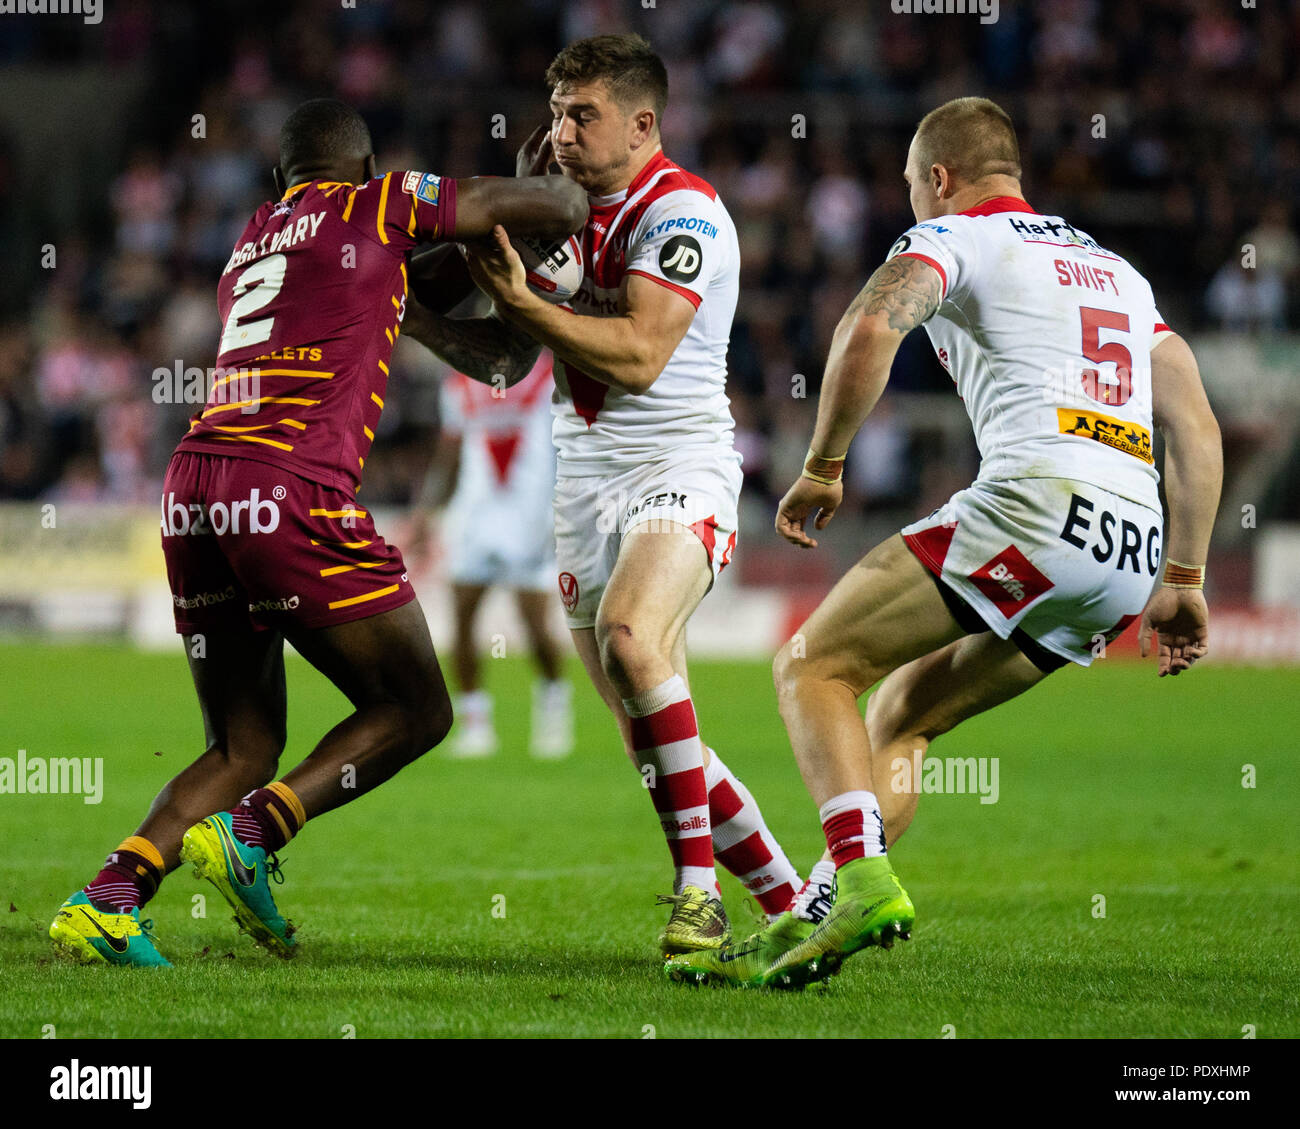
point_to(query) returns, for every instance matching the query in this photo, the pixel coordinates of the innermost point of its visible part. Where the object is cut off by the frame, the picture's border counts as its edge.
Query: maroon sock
(255, 824)
(127, 881)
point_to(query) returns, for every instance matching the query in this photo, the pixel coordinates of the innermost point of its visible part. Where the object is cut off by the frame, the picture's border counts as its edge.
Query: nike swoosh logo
(244, 874)
(117, 944)
(728, 955)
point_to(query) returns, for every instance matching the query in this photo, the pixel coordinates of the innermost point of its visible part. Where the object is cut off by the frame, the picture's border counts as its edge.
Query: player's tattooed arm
(905, 291)
(902, 294)
(485, 349)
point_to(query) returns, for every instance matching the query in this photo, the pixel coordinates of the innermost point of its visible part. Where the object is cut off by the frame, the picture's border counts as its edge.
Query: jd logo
(680, 259)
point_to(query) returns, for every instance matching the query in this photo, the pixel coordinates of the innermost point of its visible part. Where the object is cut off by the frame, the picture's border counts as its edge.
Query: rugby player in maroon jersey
(265, 539)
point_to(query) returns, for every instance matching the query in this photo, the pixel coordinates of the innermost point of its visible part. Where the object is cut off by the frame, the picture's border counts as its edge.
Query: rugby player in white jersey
(1063, 363)
(492, 476)
(648, 477)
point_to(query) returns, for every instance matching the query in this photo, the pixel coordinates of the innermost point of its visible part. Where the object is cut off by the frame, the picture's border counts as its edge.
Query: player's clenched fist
(1180, 620)
(805, 498)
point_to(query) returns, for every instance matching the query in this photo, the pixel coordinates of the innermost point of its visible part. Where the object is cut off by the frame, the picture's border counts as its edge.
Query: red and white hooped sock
(743, 843)
(853, 826)
(665, 736)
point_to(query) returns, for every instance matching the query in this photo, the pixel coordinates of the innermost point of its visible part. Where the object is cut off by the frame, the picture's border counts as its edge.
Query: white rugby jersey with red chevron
(506, 456)
(669, 226)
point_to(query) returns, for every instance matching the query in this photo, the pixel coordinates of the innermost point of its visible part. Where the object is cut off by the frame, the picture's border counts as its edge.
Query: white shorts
(499, 546)
(593, 514)
(1047, 561)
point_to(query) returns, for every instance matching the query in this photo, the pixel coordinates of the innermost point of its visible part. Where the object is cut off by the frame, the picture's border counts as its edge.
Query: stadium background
(1112, 781)
(798, 113)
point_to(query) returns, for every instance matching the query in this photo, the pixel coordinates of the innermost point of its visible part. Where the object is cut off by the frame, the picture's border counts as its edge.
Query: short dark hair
(972, 137)
(320, 134)
(627, 64)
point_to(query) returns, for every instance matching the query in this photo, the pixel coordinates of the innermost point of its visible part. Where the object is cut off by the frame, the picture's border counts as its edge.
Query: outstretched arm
(902, 294)
(1177, 612)
(488, 348)
(438, 275)
(550, 207)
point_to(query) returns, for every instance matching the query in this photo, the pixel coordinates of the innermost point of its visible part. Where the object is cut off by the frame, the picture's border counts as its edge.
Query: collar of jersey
(302, 184)
(652, 166)
(999, 204)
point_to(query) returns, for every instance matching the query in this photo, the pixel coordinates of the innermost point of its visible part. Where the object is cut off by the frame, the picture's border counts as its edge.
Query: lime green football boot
(871, 908)
(740, 964)
(242, 875)
(90, 935)
(698, 921)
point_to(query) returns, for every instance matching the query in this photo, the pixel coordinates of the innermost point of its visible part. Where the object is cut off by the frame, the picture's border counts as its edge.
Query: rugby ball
(553, 269)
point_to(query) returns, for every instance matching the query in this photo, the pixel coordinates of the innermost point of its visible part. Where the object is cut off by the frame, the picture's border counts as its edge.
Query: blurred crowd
(1169, 130)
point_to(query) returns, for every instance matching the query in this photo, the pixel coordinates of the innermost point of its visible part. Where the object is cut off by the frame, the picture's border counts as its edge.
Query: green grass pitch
(1111, 783)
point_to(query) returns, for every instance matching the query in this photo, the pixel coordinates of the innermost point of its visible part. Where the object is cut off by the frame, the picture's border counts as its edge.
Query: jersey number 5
(1117, 390)
(255, 288)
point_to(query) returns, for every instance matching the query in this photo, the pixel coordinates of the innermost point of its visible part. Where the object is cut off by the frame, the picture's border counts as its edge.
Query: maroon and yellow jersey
(311, 303)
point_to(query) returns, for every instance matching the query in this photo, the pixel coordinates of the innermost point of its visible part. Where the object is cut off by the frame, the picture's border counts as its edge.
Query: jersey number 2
(255, 288)
(1121, 388)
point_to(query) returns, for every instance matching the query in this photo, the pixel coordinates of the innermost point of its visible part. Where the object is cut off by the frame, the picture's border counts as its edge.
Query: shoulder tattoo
(904, 289)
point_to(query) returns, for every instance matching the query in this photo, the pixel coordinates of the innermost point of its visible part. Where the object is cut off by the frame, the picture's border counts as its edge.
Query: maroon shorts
(248, 542)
